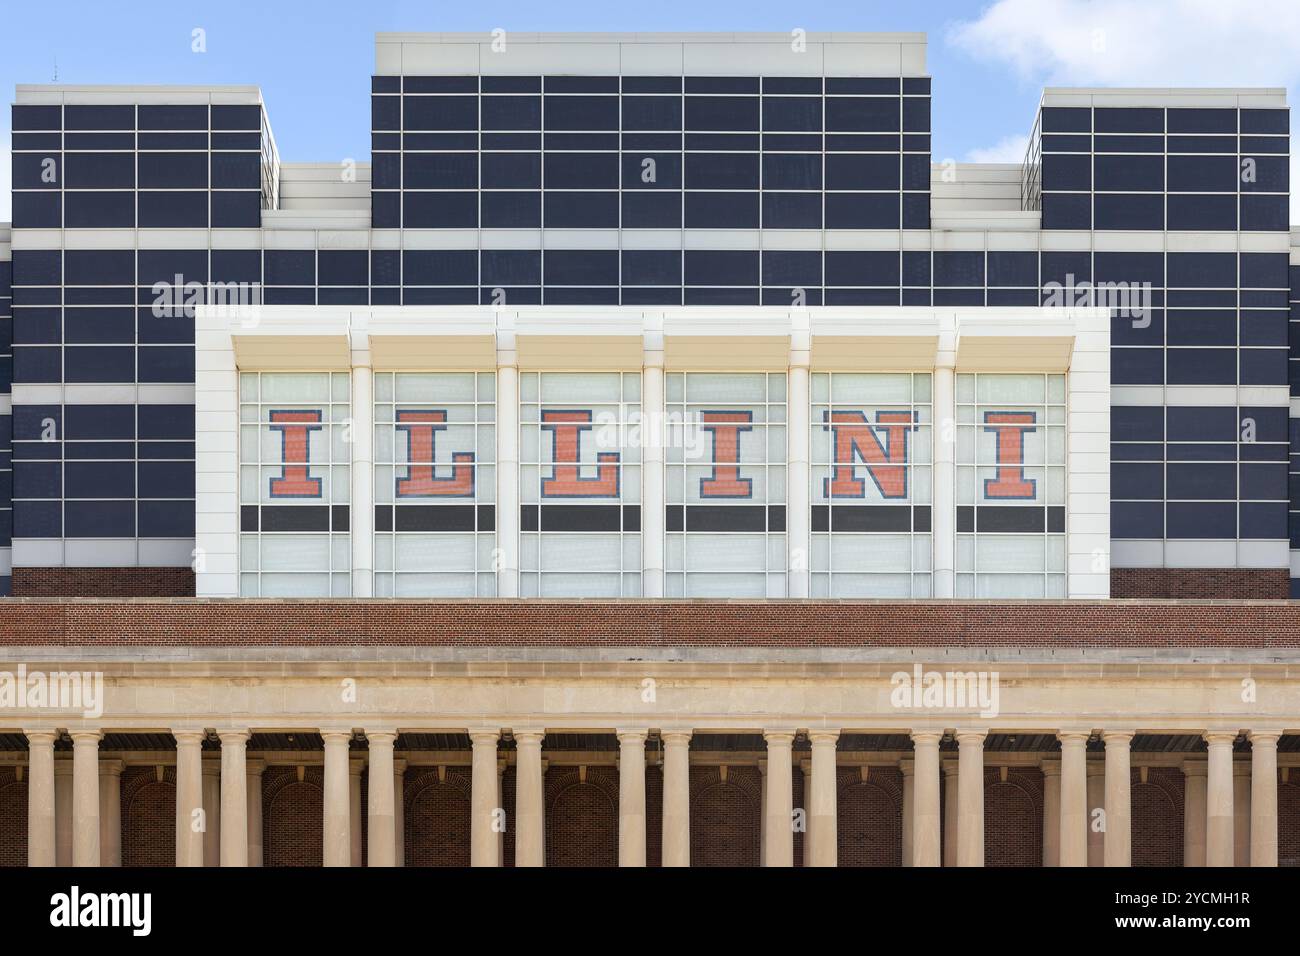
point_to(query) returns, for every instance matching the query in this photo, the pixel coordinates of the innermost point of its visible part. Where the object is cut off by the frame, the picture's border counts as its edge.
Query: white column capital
(677, 737)
(968, 738)
(238, 736)
(1073, 737)
(484, 738)
(823, 737)
(1220, 738)
(1265, 738)
(779, 737)
(1120, 738)
(631, 737)
(381, 737)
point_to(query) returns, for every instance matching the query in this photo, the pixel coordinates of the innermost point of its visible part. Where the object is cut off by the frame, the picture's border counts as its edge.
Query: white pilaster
(677, 799)
(362, 510)
(798, 411)
(943, 513)
(970, 798)
(653, 434)
(507, 435)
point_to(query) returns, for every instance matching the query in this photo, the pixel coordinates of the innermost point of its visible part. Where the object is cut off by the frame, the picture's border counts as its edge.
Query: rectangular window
(435, 484)
(294, 484)
(725, 462)
(871, 438)
(1011, 486)
(580, 484)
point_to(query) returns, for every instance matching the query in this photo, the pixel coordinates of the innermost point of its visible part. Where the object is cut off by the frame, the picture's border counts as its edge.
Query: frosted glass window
(435, 483)
(725, 484)
(580, 439)
(294, 484)
(870, 459)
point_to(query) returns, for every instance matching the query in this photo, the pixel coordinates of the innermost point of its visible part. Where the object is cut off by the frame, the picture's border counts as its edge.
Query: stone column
(399, 811)
(253, 773)
(762, 812)
(507, 438)
(970, 798)
(950, 804)
(530, 807)
(1195, 773)
(780, 798)
(362, 511)
(356, 850)
(631, 797)
(1118, 850)
(191, 821)
(1073, 839)
(799, 410)
(1051, 812)
(212, 810)
(483, 798)
(677, 799)
(501, 805)
(926, 849)
(1096, 773)
(944, 511)
(805, 774)
(1263, 797)
(337, 837)
(63, 810)
(85, 797)
(908, 769)
(652, 463)
(110, 813)
(1218, 800)
(381, 841)
(40, 798)
(234, 798)
(1241, 813)
(822, 810)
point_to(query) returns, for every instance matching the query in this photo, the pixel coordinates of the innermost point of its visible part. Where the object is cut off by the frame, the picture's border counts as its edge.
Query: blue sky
(989, 59)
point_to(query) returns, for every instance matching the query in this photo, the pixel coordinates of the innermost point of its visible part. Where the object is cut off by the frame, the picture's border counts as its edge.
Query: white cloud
(6, 174)
(1009, 149)
(1148, 43)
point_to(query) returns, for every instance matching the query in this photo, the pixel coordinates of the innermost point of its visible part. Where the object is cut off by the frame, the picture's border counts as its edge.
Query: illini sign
(870, 454)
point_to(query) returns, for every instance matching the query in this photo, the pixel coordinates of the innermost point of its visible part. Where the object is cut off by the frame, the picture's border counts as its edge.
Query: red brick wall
(1207, 583)
(508, 804)
(1288, 821)
(725, 816)
(654, 815)
(13, 818)
(593, 623)
(1013, 817)
(1157, 817)
(870, 817)
(293, 816)
(437, 823)
(148, 817)
(103, 582)
(581, 817)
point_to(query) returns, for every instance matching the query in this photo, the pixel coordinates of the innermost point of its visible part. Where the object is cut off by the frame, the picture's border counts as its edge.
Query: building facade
(652, 455)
